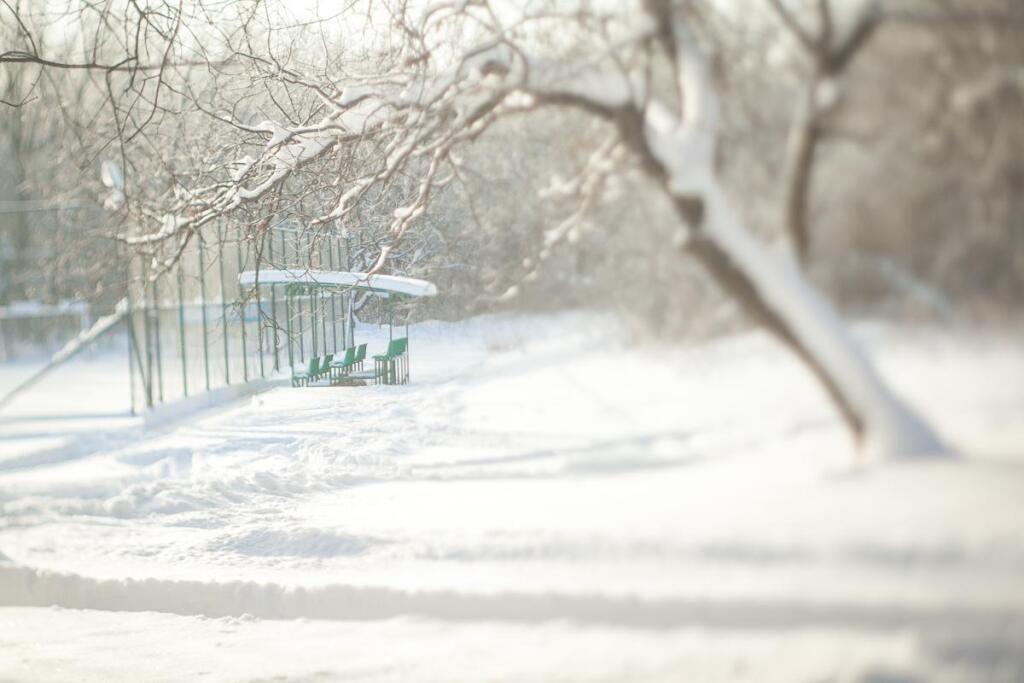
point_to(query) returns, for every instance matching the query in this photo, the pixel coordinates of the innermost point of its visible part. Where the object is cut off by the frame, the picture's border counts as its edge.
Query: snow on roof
(390, 284)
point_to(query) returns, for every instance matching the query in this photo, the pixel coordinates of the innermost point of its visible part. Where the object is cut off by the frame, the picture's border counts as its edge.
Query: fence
(191, 329)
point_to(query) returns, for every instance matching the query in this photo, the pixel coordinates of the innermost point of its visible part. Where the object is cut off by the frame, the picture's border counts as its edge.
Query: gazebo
(391, 367)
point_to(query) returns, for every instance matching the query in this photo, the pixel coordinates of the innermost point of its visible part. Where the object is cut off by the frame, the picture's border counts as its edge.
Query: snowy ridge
(20, 586)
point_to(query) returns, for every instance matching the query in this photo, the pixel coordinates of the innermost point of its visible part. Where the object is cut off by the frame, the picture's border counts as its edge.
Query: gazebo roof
(381, 285)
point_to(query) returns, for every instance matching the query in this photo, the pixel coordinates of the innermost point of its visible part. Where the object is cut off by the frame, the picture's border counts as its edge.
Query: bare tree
(830, 48)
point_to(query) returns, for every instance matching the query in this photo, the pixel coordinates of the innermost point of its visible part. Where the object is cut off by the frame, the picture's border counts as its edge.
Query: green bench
(392, 367)
(302, 378)
(353, 359)
(341, 367)
(318, 367)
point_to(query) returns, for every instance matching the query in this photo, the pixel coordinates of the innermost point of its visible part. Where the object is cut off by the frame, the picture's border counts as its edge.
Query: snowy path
(537, 504)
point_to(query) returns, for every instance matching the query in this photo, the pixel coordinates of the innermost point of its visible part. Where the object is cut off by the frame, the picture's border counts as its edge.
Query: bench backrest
(314, 366)
(327, 361)
(396, 347)
(350, 356)
(360, 353)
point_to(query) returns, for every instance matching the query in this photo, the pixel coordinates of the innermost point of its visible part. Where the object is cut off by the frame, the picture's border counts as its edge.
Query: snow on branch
(285, 151)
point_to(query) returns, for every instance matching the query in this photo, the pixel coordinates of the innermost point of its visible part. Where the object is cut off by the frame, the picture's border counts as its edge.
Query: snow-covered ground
(543, 502)
(83, 400)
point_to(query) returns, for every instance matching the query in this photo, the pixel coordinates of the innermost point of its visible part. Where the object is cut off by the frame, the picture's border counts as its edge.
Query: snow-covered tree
(397, 120)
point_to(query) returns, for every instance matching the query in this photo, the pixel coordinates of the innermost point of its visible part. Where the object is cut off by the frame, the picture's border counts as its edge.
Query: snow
(243, 649)
(384, 283)
(352, 94)
(278, 133)
(110, 174)
(285, 158)
(543, 501)
(76, 345)
(241, 167)
(84, 406)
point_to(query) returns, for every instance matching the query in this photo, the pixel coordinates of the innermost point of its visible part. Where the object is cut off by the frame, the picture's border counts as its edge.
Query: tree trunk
(803, 143)
(774, 293)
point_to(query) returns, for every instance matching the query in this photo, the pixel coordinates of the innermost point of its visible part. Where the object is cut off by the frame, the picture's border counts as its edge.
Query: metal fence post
(321, 300)
(288, 324)
(273, 298)
(156, 335)
(129, 317)
(147, 382)
(348, 328)
(202, 297)
(334, 311)
(288, 304)
(181, 328)
(312, 323)
(242, 308)
(223, 305)
(302, 341)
